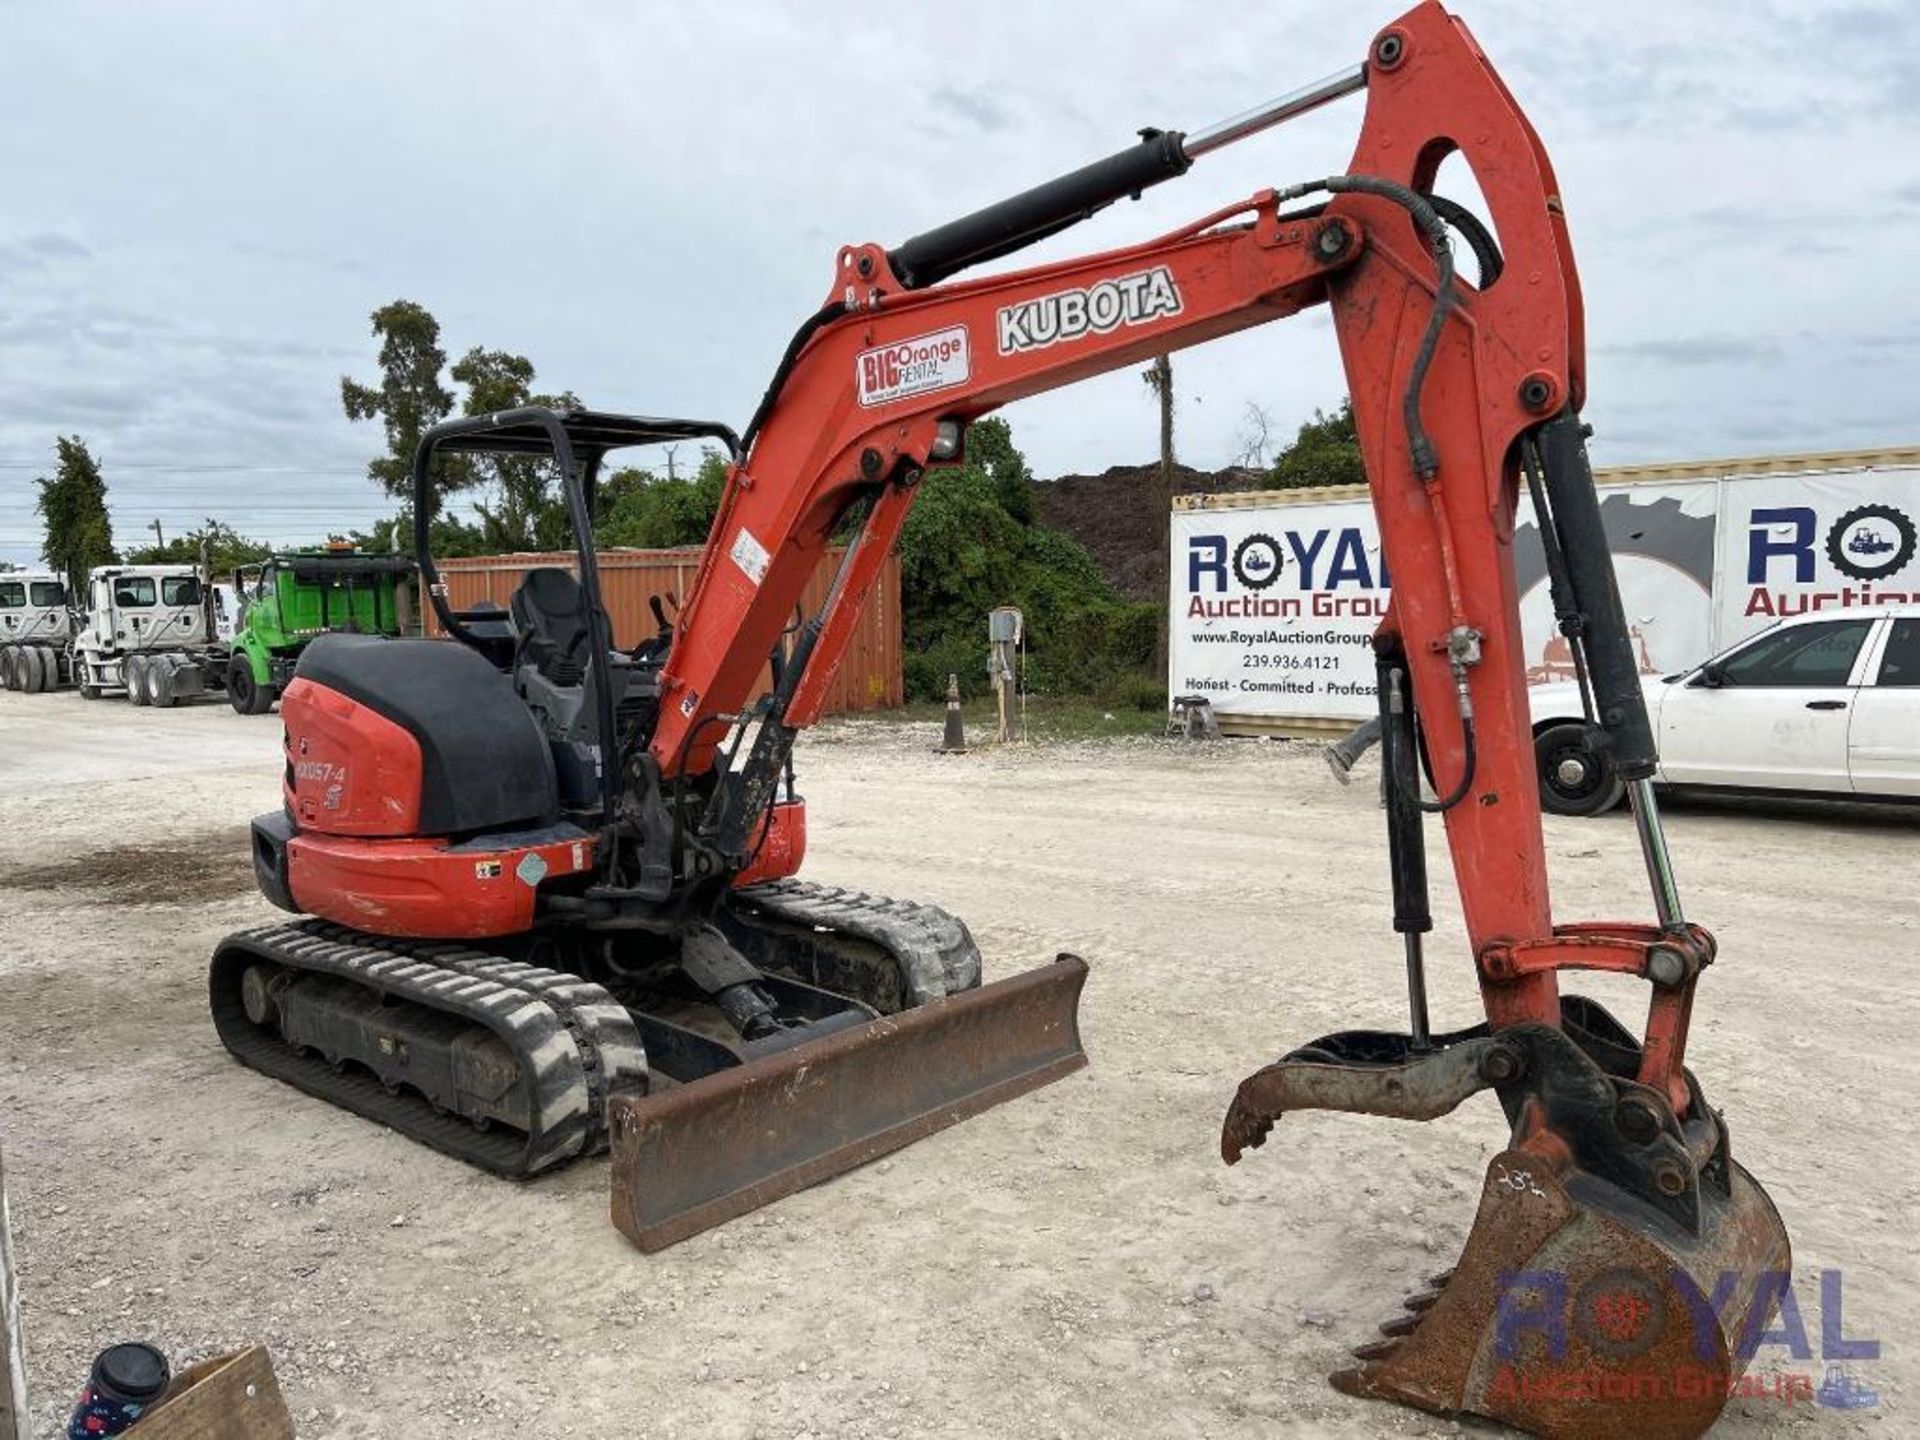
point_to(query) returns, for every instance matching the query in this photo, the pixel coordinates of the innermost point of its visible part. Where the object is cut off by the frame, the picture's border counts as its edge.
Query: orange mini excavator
(551, 881)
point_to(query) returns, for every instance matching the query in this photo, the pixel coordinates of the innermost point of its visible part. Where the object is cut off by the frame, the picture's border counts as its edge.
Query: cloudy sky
(204, 201)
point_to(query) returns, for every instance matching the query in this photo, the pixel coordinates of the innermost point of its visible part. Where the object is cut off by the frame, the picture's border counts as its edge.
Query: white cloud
(646, 198)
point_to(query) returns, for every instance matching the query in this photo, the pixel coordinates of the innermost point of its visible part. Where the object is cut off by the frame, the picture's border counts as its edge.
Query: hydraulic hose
(820, 318)
(1446, 295)
(1469, 766)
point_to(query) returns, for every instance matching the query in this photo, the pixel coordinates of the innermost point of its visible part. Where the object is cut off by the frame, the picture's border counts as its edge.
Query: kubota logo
(1068, 315)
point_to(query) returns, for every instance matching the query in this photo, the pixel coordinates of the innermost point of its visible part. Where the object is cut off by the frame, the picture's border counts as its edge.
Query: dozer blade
(1621, 1268)
(694, 1156)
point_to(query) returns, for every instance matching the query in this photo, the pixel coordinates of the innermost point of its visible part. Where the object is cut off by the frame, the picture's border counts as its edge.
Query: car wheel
(244, 693)
(1575, 779)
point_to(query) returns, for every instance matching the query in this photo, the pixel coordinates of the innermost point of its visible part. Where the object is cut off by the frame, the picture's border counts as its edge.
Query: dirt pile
(1119, 516)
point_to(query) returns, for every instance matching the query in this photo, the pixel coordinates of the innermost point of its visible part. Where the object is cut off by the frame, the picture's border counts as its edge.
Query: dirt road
(1078, 1263)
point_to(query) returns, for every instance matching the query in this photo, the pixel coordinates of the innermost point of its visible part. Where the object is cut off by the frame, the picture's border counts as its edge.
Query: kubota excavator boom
(654, 863)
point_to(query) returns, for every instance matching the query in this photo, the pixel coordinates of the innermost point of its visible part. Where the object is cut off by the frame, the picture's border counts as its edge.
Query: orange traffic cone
(955, 740)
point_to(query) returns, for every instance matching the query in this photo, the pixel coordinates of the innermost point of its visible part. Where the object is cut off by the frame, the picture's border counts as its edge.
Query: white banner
(1274, 608)
(1273, 605)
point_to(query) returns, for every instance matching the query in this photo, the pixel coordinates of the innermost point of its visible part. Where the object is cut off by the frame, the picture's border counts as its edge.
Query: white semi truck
(36, 626)
(145, 634)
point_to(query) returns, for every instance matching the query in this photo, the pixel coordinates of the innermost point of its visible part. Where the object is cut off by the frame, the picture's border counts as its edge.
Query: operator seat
(550, 612)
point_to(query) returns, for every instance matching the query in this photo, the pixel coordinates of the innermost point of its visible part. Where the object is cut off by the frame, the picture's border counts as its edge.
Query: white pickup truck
(1824, 704)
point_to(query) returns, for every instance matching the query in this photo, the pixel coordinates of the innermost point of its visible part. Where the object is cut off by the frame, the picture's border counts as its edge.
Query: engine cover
(411, 737)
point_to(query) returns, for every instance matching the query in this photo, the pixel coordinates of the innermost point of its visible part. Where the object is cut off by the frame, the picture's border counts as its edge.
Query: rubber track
(558, 1095)
(613, 1059)
(935, 950)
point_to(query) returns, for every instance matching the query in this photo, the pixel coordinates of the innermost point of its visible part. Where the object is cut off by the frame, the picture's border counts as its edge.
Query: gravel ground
(1077, 1263)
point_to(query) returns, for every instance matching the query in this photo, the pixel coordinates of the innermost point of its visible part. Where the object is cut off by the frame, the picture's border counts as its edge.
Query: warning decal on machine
(913, 367)
(750, 555)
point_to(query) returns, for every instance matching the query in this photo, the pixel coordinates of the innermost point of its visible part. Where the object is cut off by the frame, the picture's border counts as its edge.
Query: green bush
(925, 671)
(965, 550)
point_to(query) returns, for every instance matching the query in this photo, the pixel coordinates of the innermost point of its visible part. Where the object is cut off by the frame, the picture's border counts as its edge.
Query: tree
(638, 508)
(990, 447)
(525, 511)
(409, 398)
(1256, 437)
(73, 505)
(224, 548)
(1325, 452)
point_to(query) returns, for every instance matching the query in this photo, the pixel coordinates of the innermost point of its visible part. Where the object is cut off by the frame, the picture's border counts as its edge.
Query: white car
(1823, 704)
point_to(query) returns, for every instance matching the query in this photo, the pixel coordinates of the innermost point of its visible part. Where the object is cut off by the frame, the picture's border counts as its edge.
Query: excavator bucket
(1569, 1315)
(693, 1156)
(1621, 1268)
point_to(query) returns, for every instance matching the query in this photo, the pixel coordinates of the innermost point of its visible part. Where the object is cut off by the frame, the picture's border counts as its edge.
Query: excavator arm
(1447, 379)
(1462, 393)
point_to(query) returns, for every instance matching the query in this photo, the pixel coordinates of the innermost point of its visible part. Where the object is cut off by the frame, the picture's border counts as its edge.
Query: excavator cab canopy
(577, 441)
(588, 436)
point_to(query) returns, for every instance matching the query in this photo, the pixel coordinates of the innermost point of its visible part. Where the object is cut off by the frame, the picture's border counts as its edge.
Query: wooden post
(13, 1358)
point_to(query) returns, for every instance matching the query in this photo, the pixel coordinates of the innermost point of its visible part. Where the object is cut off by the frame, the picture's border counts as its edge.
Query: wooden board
(230, 1397)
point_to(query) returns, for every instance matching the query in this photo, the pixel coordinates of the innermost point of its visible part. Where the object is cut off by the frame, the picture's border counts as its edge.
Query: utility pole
(158, 539)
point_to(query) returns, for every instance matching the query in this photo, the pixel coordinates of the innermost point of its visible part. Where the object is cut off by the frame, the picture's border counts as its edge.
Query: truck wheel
(49, 668)
(247, 695)
(10, 670)
(138, 673)
(160, 682)
(83, 679)
(1575, 779)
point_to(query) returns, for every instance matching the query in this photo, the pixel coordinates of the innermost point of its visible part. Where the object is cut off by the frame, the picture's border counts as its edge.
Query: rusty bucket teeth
(1399, 1326)
(1374, 1350)
(1353, 1380)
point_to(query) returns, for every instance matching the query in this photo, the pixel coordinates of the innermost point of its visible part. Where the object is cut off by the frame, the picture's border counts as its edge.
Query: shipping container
(869, 677)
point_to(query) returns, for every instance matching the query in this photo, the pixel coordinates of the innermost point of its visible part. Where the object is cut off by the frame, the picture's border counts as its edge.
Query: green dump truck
(289, 598)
